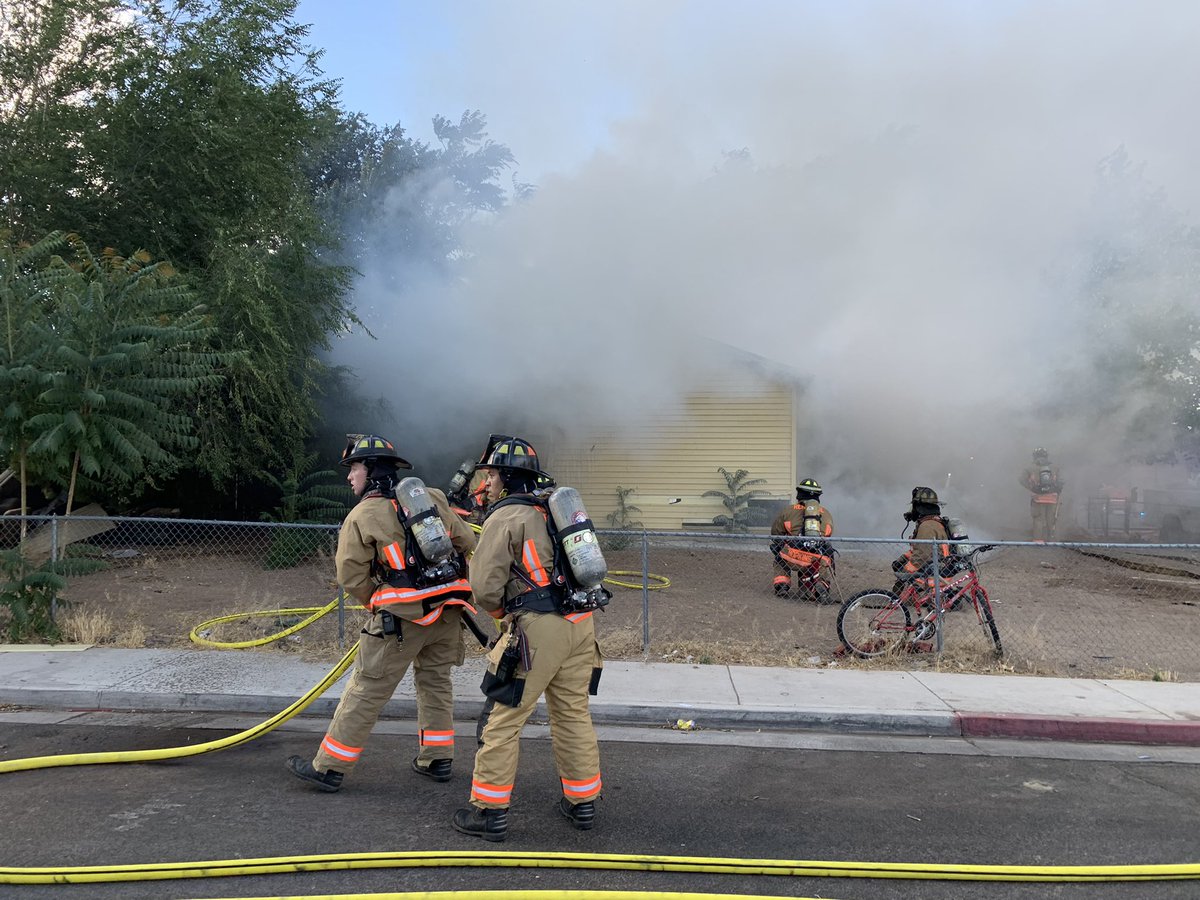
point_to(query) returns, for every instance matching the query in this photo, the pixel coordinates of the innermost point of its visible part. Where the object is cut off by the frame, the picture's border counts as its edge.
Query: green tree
(198, 144)
(205, 132)
(26, 286)
(123, 342)
(739, 491)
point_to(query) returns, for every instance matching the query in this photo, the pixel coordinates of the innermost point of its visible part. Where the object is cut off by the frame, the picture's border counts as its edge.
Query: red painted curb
(1103, 731)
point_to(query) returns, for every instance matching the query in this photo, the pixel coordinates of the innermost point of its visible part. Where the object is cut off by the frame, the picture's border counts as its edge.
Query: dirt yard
(1058, 612)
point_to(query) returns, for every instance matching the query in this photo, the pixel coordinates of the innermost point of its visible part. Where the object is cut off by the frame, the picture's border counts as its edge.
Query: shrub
(29, 593)
(621, 519)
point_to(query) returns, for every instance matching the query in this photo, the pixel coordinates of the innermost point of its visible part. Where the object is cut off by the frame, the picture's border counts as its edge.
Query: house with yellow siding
(740, 414)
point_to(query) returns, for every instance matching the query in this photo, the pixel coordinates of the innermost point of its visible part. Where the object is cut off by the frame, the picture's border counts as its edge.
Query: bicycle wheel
(872, 623)
(984, 607)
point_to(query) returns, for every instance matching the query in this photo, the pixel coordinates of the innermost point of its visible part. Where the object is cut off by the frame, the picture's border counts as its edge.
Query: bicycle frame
(921, 594)
(884, 620)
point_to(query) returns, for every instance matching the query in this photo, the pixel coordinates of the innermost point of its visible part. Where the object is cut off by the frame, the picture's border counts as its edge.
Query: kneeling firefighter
(538, 565)
(401, 553)
(926, 512)
(804, 551)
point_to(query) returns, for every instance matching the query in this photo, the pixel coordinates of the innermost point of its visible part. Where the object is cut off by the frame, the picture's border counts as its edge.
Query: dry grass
(80, 626)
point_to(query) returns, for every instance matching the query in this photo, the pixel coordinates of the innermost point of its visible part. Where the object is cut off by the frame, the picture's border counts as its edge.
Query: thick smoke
(899, 202)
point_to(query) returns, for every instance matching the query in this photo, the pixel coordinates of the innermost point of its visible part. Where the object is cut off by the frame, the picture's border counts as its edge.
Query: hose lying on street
(633, 862)
(235, 740)
(326, 862)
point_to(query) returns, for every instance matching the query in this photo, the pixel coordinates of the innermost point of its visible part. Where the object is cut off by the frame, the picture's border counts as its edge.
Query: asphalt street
(749, 795)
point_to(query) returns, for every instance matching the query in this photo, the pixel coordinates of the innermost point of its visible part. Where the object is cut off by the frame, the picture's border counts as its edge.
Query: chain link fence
(1077, 609)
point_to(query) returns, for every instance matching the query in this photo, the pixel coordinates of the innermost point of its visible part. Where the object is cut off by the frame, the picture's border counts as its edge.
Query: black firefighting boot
(438, 769)
(323, 781)
(489, 824)
(582, 815)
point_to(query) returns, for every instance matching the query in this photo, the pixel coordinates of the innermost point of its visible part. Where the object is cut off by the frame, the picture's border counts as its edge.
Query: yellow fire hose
(532, 895)
(330, 862)
(425, 859)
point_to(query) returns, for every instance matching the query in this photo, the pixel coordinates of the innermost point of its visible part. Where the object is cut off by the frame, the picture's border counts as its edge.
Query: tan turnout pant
(432, 650)
(1045, 517)
(563, 654)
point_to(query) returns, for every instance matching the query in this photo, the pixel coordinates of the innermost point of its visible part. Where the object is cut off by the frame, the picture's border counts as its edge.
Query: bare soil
(1058, 612)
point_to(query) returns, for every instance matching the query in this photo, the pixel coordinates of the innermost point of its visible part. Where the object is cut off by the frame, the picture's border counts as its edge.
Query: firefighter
(1044, 484)
(547, 648)
(806, 523)
(416, 619)
(926, 512)
(470, 500)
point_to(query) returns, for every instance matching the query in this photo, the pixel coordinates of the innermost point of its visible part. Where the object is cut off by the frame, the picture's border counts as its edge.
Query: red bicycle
(875, 622)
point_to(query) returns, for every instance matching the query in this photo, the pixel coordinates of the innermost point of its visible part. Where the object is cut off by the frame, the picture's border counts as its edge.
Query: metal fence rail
(1086, 609)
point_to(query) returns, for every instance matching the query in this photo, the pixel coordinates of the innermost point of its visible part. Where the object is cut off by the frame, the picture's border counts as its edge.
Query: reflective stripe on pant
(563, 654)
(432, 650)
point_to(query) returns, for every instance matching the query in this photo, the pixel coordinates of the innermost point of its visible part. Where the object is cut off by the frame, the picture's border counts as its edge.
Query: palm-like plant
(305, 497)
(736, 498)
(125, 344)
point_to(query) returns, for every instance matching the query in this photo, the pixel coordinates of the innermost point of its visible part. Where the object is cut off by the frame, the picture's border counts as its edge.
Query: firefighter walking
(801, 548)
(416, 606)
(548, 646)
(1044, 483)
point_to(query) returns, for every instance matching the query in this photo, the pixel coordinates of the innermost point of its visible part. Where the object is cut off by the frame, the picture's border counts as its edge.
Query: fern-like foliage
(26, 289)
(113, 348)
(736, 498)
(306, 496)
(29, 593)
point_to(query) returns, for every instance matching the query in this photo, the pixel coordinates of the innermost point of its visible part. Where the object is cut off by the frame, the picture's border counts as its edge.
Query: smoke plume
(900, 202)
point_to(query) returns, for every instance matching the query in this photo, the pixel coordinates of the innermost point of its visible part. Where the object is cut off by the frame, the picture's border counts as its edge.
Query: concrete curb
(1083, 730)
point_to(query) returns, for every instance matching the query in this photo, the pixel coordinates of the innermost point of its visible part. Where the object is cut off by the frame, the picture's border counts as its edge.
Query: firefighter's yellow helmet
(514, 455)
(808, 489)
(372, 447)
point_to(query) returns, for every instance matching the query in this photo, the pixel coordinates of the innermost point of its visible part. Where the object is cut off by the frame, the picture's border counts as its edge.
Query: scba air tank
(579, 541)
(812, 519)
(461, 477)
(423, 520)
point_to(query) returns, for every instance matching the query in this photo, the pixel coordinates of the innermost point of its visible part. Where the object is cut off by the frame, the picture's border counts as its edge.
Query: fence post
(936, 558)
(53, 559)
(645, 593)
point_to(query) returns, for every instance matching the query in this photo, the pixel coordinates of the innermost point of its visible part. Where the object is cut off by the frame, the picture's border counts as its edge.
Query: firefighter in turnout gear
(1042, 480)
(416, 609)
(926, 512)
(802, 547)
(548, 647)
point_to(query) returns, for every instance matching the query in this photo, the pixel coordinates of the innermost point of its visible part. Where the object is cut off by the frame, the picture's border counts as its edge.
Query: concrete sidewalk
(711, 696)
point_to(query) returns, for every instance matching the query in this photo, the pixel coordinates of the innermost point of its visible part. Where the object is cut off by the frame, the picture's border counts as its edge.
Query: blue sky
(407, 62)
